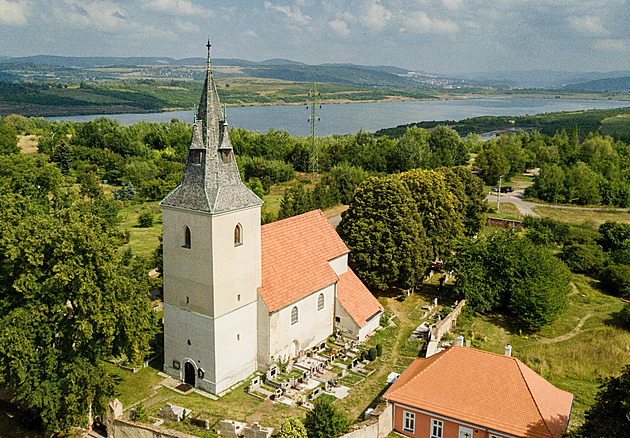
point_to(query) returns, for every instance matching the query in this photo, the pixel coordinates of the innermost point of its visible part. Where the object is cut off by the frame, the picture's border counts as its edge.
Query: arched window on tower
(294, 315)
(320, 302)
(186, 237)
(238, 235)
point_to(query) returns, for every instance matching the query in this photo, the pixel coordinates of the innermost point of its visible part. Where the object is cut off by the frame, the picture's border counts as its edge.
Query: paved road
(334, 221)
(525, 207)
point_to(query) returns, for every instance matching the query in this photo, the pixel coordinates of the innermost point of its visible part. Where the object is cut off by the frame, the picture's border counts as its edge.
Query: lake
(350, 117)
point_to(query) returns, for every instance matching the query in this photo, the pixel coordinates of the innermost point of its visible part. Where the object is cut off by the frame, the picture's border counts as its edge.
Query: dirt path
(571, 334)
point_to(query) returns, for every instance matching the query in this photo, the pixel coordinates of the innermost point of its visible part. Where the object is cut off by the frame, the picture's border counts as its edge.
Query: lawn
(588, 218)
(143, 241)
(507, 210)
(573, 358)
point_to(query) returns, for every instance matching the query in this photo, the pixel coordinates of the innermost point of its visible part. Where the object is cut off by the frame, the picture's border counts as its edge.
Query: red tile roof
(295, 254)
(356, 298)
(486, 389)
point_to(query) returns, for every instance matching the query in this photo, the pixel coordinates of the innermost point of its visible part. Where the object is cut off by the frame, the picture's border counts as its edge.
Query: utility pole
(499, 193)
(313, 98)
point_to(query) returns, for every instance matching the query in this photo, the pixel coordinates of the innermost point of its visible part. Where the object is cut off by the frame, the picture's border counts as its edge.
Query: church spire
(209, 110)
(211, 181)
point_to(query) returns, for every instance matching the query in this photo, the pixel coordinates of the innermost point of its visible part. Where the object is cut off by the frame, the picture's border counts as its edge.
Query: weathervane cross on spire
(208, 46)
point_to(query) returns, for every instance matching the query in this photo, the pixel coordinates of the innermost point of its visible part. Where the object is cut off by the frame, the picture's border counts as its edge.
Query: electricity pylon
(313, 98)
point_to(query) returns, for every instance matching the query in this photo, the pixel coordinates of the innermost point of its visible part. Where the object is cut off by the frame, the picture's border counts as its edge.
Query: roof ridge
(520, 370)
(441, 355)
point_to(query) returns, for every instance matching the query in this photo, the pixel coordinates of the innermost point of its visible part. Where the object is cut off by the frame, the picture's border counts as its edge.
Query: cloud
(248, 34)
(420, 22)
(177, 7)
(102, 16)
(293, 14)
(340, 26)
(612, 45)
(13, 13)
(187, 26)
(452, 4)
(588, 25)
(375, 16)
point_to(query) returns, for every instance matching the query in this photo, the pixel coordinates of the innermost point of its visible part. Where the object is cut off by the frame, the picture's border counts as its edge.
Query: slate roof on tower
(485, 389)
(211, 182)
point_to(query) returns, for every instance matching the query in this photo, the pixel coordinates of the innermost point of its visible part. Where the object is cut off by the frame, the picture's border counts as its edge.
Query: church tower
(212, 265)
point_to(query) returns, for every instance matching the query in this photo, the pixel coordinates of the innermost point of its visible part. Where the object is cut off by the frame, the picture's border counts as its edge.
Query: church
(238, 296)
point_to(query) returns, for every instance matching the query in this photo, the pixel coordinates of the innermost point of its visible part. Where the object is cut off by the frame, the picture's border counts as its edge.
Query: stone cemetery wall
(378, 426)
(118, 427)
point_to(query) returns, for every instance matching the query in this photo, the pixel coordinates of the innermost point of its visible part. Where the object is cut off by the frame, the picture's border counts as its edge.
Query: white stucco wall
(236, 269)
(210, 291)
(339, 264)
(264, 341)
(313, 326)
(369, 327)
(346, 324)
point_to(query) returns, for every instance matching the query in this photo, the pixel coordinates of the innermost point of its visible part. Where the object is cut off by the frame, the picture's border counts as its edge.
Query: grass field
(575, 353)
(588, 218)
(143, 241)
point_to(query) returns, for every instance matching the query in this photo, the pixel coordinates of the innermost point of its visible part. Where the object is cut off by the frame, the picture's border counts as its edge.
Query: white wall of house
(369, 327)
(339, 264)
(345, 323)
(312, 327)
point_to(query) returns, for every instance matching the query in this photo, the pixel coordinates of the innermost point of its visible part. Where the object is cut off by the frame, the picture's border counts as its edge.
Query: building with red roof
(238, 296)
(463, 392)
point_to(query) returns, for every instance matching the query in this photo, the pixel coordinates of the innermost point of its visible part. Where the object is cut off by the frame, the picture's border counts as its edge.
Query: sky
(437, 36)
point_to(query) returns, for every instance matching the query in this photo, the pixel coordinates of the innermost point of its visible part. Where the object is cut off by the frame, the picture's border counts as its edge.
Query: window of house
(294, 315)
(225, 156)
(320, 302)
(436, 428)
(409, 422)
(186, 237)
(238, 297)
(238, 337)
(238, 235)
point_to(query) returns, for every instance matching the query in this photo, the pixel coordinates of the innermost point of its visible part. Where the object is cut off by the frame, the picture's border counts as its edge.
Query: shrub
(145, 220)
(583, 259)
(379, 349)
(372, 354)
(616, 280)
(325, 421)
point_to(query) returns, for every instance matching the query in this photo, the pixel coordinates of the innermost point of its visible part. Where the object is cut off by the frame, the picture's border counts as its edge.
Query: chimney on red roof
(508, 350)
(459, 341)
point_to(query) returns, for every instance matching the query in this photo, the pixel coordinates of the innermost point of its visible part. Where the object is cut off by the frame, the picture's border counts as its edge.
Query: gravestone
(272, 372)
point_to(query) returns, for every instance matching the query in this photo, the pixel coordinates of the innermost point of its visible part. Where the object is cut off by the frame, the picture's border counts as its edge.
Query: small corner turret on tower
(211, 182)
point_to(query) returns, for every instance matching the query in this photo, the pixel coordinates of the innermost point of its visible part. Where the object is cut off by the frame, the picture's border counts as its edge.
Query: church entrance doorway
(189, 374)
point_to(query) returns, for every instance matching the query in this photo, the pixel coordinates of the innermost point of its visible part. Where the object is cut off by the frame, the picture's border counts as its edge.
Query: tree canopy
(507, 272)
(67, 300)
(325, 421)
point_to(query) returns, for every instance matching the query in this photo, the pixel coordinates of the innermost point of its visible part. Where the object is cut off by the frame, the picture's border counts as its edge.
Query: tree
(616, 280)
(62, 156)
(549, 183)
(445, 148)
(582, 184)
(507, 272)
(613, 235)
(409, 151)
(66, 303)
(582, 258)
(66, 299)
(145, 219)
(610, 415)
(292, 428)
(90, 186)
(346, 178)
(438, 208)
(492, 162)
(8, 140)
(384, 232)
(470, 192)
(325, 421)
